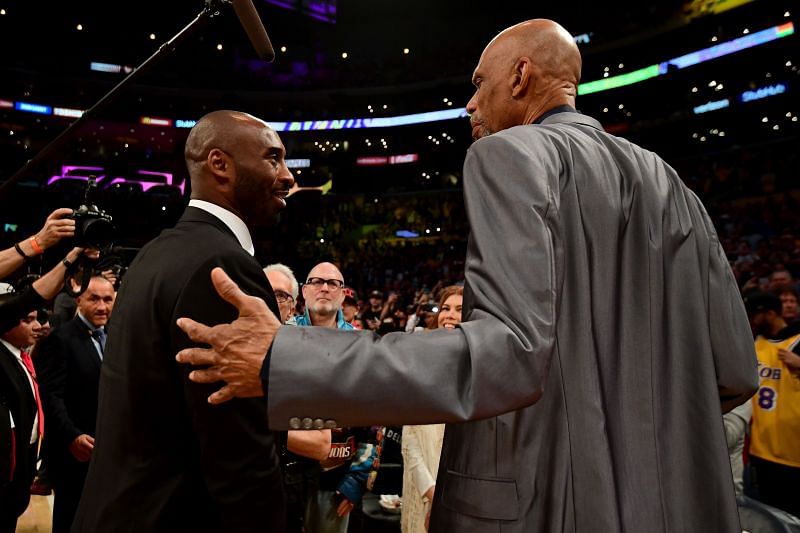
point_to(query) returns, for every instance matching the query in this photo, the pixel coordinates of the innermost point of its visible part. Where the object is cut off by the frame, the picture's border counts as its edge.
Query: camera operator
(57, 226)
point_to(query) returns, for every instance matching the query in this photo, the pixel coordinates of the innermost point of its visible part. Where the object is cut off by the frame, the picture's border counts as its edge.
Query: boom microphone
(252, 25)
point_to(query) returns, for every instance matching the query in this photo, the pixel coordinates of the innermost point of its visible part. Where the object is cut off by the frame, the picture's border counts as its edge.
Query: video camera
(93, 226)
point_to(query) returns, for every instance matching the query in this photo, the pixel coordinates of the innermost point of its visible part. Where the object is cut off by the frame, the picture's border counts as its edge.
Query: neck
(776, 327)
(326, 321)
(217, 199)
(564, 96)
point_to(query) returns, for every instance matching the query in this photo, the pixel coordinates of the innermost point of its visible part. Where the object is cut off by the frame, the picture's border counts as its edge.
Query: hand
(81, 448)
(110, 276)
(429, 493)
(790, 359)
(237, 349)
(56, 227)
(344, 507)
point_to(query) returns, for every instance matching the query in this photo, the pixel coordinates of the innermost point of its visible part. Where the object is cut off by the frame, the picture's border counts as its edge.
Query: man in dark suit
(165, 459)
(68, 362)
(603, 332)
(23, 420)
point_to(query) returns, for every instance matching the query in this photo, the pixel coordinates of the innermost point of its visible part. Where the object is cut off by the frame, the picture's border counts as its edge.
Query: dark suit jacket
(17, 398)
(164, 459)
(68, 367)
(601, 316)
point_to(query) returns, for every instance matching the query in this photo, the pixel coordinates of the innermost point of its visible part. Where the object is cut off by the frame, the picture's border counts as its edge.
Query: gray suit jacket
(603, 332)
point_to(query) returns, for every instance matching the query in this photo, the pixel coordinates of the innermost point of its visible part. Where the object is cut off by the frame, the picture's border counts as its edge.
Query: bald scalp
(222, 129)
(547, 44)
(325, 267)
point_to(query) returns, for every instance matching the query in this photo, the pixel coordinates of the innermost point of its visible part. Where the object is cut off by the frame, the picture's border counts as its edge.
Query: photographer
(57, 226)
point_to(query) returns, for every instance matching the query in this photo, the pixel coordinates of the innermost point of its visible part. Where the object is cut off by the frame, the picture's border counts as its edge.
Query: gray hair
(286, 271)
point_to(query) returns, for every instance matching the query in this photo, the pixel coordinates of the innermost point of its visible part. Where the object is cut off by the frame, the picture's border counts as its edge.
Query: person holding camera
(58, 226)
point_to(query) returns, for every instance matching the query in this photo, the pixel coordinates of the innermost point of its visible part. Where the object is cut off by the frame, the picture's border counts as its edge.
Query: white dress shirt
(18, 355)
(234, 223)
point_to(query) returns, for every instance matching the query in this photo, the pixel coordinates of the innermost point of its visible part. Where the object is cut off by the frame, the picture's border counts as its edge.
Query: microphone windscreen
(252, 25)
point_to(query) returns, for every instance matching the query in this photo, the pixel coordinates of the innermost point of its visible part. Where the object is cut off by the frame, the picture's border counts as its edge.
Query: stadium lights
(283, 49)
(687, 60)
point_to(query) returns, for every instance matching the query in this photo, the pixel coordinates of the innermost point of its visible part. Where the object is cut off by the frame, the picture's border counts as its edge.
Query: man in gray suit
(604, 334)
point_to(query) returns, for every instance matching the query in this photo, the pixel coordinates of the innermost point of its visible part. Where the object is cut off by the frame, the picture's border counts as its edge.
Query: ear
(221, 166)
(521, 76)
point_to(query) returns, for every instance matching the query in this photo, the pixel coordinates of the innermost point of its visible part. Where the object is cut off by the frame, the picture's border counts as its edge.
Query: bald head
(222, 129)
(236, 161)
(324, 301)
(525, 71)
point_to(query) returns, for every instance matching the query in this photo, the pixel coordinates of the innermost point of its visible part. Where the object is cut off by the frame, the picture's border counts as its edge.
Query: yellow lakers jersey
(776, 406)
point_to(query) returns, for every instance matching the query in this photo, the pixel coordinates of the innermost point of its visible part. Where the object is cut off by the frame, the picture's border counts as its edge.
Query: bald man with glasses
(324, 296)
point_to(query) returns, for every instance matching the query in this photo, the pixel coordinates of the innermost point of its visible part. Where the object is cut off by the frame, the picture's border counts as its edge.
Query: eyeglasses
(282, 297)
(333, 284)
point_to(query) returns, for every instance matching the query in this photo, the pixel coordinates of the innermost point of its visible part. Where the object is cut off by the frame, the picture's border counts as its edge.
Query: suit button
(319, 423)
(307, 423)
(330, 424)
(294, 423)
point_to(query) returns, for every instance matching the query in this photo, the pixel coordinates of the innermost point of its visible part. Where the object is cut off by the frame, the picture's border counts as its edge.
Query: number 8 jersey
(776, 405)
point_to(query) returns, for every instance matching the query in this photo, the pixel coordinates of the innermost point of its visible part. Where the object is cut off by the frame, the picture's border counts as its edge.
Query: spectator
(21, 419)
(774, 449)
(69, 364)
(422, 445)
(285, 287)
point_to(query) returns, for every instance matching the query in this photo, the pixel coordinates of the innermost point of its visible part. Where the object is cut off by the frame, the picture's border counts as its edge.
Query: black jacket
(164, 459)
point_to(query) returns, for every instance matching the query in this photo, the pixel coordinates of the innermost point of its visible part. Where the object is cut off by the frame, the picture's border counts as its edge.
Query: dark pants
(16, 494)
(778, 485)
(68, 484)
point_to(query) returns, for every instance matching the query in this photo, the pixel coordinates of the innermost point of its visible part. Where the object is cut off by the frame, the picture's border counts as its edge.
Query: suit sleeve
(494, 363)
(237, 451)
(51, 370)
(731, 340)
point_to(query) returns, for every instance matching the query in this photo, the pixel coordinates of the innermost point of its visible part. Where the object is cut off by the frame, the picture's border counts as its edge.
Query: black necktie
(100, 336)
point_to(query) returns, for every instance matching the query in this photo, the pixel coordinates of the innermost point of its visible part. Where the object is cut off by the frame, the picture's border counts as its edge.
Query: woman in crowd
(422, 445)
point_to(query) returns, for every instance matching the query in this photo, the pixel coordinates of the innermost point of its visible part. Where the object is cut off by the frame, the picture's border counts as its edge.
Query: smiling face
(262, 178)
(236, 161)
(450, 314)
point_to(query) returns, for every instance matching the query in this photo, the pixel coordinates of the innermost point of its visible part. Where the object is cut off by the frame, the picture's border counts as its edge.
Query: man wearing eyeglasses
(353, 451)
(285, 288)
(323, 295)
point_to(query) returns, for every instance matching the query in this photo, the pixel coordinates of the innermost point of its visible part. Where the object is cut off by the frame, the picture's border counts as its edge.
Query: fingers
(61, 212)
(221, 396)
(196, 331)
(209, 375)
(197, 356)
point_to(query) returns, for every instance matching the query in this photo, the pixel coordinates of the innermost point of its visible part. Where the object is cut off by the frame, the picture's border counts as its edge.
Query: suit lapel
(83, 337)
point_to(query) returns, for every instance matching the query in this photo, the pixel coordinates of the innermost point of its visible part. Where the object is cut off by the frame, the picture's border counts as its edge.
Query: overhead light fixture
(283, 48)
(344, 55)
(406, 50)
(152, 36)
(79, 27)
(219, 46)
